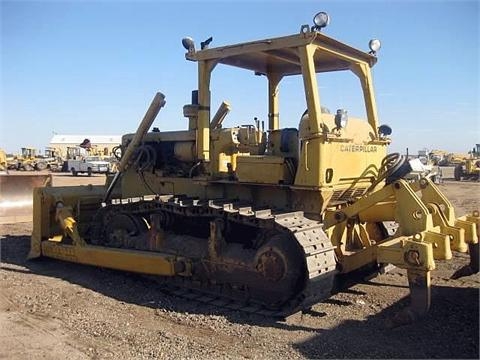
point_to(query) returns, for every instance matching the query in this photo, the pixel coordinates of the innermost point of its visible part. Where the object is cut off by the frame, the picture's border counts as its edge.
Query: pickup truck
(90, 165)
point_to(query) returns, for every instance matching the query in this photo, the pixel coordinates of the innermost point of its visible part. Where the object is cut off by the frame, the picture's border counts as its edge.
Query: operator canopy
(280, 55)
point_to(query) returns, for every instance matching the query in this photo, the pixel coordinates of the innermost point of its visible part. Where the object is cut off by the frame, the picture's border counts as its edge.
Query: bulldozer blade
(16, 196)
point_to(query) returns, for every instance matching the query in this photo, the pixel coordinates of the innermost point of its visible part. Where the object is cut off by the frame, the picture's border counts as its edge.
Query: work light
(188, 44)
(374, 45)
(321, 20)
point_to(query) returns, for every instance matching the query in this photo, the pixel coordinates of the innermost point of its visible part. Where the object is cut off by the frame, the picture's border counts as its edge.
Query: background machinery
(52, 158)
(453, 159)
(28, 160)
(279, 217)
(89, 159)
(470, 168)
(436, 156)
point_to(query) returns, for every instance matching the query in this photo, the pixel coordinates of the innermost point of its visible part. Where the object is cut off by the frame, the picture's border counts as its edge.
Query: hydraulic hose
(390, 165)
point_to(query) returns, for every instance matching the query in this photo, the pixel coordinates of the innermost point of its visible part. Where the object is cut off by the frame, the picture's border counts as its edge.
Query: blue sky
(93, 67)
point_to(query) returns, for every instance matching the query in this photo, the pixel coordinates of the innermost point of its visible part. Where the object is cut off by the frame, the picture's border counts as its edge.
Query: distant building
(103, 143)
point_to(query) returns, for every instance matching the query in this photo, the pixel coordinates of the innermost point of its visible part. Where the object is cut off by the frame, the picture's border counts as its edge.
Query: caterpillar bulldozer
(278, 218)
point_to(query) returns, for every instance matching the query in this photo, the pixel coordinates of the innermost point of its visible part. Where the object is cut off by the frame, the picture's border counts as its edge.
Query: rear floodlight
(321, 20)
(384, 130)
(374, 45)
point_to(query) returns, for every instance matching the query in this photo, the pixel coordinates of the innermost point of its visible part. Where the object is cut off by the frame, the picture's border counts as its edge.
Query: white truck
(90, 165)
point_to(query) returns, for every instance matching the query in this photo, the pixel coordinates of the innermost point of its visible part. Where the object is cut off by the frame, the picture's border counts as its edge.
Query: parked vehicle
(90, 165)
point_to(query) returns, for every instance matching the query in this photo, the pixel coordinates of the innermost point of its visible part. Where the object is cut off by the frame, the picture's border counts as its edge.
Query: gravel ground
(52, 309)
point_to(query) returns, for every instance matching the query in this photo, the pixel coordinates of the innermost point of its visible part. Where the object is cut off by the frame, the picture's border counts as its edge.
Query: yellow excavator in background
(273, 219)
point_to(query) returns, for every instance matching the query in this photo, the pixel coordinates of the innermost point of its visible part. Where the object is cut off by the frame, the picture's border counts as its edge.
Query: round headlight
(321, 20)
(374, 45)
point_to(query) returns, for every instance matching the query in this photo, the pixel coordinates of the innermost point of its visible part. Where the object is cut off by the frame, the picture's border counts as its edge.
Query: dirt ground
(56, 310)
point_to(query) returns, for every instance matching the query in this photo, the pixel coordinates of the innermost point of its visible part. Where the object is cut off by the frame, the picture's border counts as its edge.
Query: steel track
(318, 251)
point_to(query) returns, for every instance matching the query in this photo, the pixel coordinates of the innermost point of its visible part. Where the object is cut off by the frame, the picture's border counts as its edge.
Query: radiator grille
(347, 194)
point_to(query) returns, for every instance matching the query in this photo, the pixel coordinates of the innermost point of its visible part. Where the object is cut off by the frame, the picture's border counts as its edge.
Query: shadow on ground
(450, 330)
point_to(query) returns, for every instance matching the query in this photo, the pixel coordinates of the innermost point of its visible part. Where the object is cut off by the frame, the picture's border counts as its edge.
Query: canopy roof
(280, 55)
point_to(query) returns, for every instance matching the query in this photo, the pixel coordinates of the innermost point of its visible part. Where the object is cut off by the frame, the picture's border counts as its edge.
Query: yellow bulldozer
(272, 219)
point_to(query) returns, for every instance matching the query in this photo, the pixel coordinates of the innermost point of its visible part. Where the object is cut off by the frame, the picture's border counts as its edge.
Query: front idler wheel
(281, 267)
(271, 265)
